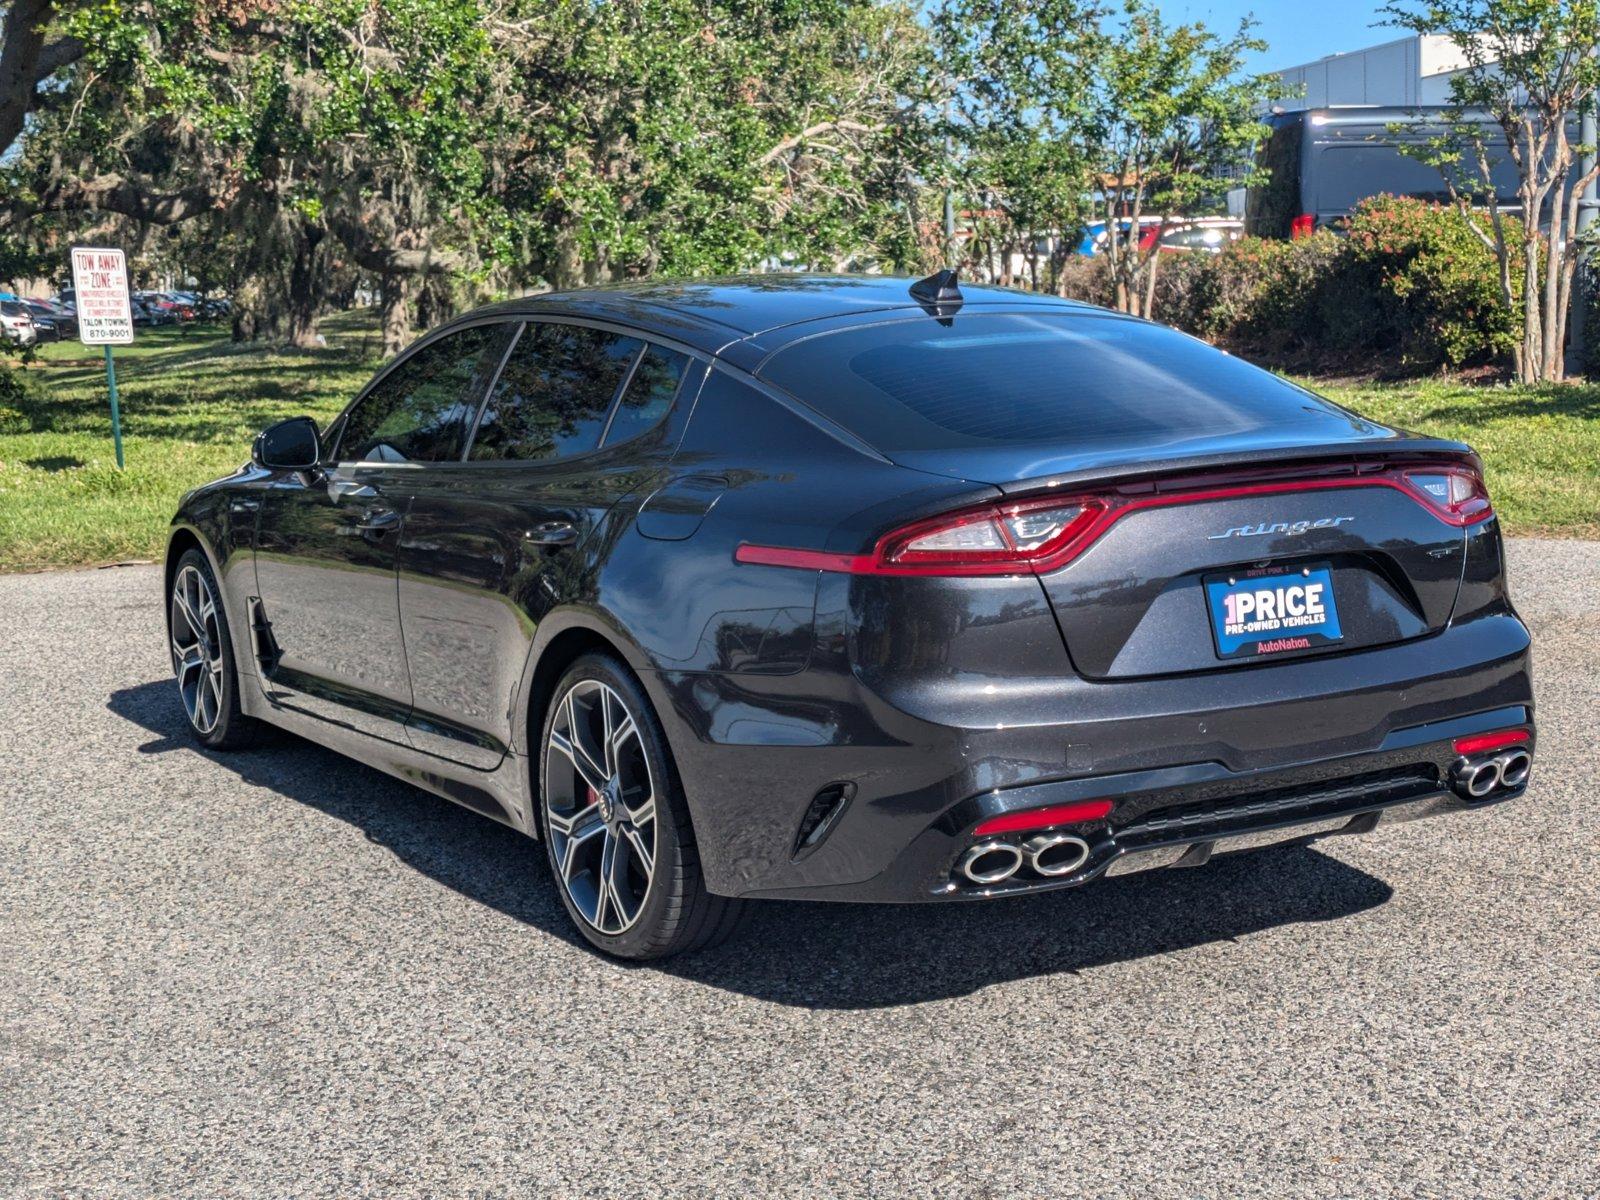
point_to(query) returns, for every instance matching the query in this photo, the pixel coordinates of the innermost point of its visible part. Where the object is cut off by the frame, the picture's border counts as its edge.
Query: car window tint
(552, 399)
(421, 411)
(1034, 381)
(649, 394)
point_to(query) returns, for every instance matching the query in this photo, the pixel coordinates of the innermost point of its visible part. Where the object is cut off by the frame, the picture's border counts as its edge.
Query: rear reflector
(1480, 742)
(1043, 818)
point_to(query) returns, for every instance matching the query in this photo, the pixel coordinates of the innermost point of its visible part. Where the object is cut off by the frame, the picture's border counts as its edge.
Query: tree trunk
(566, 267)
(1150, 283)
(396, 313)
(305, 287)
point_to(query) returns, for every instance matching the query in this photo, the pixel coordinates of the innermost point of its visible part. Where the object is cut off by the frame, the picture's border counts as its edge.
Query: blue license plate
(1272, 612)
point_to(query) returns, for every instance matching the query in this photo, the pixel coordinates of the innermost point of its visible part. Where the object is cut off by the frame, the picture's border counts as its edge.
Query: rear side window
(987, 380)
(649, 394)
(422, 409)
(552, 399)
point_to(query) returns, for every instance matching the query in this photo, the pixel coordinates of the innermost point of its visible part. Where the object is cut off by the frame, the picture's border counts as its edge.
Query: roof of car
(709, 314)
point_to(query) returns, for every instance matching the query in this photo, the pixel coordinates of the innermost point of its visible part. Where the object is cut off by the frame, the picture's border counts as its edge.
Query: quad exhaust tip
(991, 862)
(1056, 854)
(1478, 779)
(1514, 767)
(1051, 855)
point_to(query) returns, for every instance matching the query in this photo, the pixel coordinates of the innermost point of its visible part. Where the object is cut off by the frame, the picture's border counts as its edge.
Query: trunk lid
(1329, 562)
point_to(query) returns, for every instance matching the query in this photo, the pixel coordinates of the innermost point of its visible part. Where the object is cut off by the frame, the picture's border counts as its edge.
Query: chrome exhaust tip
(991, 862)
(1475, 780)
(1056, 854)
(1514, 767)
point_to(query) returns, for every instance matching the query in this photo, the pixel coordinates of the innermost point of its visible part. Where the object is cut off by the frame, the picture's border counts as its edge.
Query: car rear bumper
(1340, 741)
(1182, 817)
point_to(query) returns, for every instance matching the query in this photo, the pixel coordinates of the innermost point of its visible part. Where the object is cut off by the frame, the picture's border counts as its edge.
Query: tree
(1012, 75)
(1529, 68)
(689, 136)
(1172, 113)
(29, 56)
(452, 147)
(279, 128)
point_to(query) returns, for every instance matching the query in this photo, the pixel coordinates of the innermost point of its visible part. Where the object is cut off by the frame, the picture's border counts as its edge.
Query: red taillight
(1004, 539)
(1303, 226)
(1043, 534)
(1456, 492)
(1043, 818)
(1478, 743)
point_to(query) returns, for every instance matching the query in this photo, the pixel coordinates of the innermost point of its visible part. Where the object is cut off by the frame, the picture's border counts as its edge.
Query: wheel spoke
(587, 771)
(186, 611)
(643, 812)
(574, 843)
(575, 823)
(189, 658)
(622, 898)
(607, 721)
(642, 852)
(578, 731)
(624, 732)
(605, 883)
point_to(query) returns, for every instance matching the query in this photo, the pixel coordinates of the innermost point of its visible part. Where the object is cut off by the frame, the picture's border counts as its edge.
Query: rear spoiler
(1133, 468)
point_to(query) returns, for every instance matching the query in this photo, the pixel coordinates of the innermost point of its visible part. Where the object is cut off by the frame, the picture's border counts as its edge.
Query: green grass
(192, 401)
(1540, 445)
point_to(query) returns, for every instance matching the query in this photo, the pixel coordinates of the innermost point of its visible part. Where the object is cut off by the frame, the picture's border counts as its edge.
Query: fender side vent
(266, 646)
(821, 815)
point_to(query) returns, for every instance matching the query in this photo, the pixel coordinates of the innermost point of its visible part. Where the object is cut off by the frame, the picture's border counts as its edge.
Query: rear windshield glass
(988, 380)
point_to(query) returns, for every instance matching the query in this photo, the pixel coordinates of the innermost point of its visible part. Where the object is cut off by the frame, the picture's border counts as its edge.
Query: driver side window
(421, 410)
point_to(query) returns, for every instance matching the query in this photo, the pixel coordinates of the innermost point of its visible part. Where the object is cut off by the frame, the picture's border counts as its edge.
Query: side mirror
(291, 445)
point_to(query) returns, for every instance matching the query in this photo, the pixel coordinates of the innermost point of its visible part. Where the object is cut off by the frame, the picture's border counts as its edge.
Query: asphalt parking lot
(281, 973)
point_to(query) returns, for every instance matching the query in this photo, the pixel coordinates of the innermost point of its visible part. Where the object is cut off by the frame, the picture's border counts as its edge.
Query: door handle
(552, 533)
(349, 489)
(378, 520)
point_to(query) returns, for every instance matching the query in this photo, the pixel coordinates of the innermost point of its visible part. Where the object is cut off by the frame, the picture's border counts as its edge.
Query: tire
(631, 882)
(202, 658)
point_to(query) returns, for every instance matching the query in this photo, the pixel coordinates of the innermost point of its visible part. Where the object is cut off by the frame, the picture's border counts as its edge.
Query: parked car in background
(149, 309)
(185, 305)
(65, 317)
(1093, 241)
(46, 320)
(163, 310)
(1187, 235)
(16, 323)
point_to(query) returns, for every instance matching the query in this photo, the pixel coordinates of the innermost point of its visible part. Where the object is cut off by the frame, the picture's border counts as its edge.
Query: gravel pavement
(281, 973)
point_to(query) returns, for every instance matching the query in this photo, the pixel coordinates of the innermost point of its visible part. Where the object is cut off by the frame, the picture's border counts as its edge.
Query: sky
(1296, 31)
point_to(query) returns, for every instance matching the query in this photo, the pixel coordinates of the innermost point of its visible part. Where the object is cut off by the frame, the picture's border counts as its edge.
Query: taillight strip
(809, 560)
(873, 564)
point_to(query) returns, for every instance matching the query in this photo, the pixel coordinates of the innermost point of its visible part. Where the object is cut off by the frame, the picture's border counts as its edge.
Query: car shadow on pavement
(814, 955)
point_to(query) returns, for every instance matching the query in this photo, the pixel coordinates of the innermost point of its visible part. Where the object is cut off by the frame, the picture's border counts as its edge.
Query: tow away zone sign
(100, 279)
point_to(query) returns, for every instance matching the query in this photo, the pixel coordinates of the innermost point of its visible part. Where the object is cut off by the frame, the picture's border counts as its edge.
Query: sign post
(105, 314)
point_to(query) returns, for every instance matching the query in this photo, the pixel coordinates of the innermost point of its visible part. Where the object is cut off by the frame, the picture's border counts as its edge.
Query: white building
(1413, 70)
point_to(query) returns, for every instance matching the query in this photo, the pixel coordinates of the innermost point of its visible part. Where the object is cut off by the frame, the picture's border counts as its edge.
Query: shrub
(12, 400)
(1079, 277)
(1435, 281)
(1410, 283)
